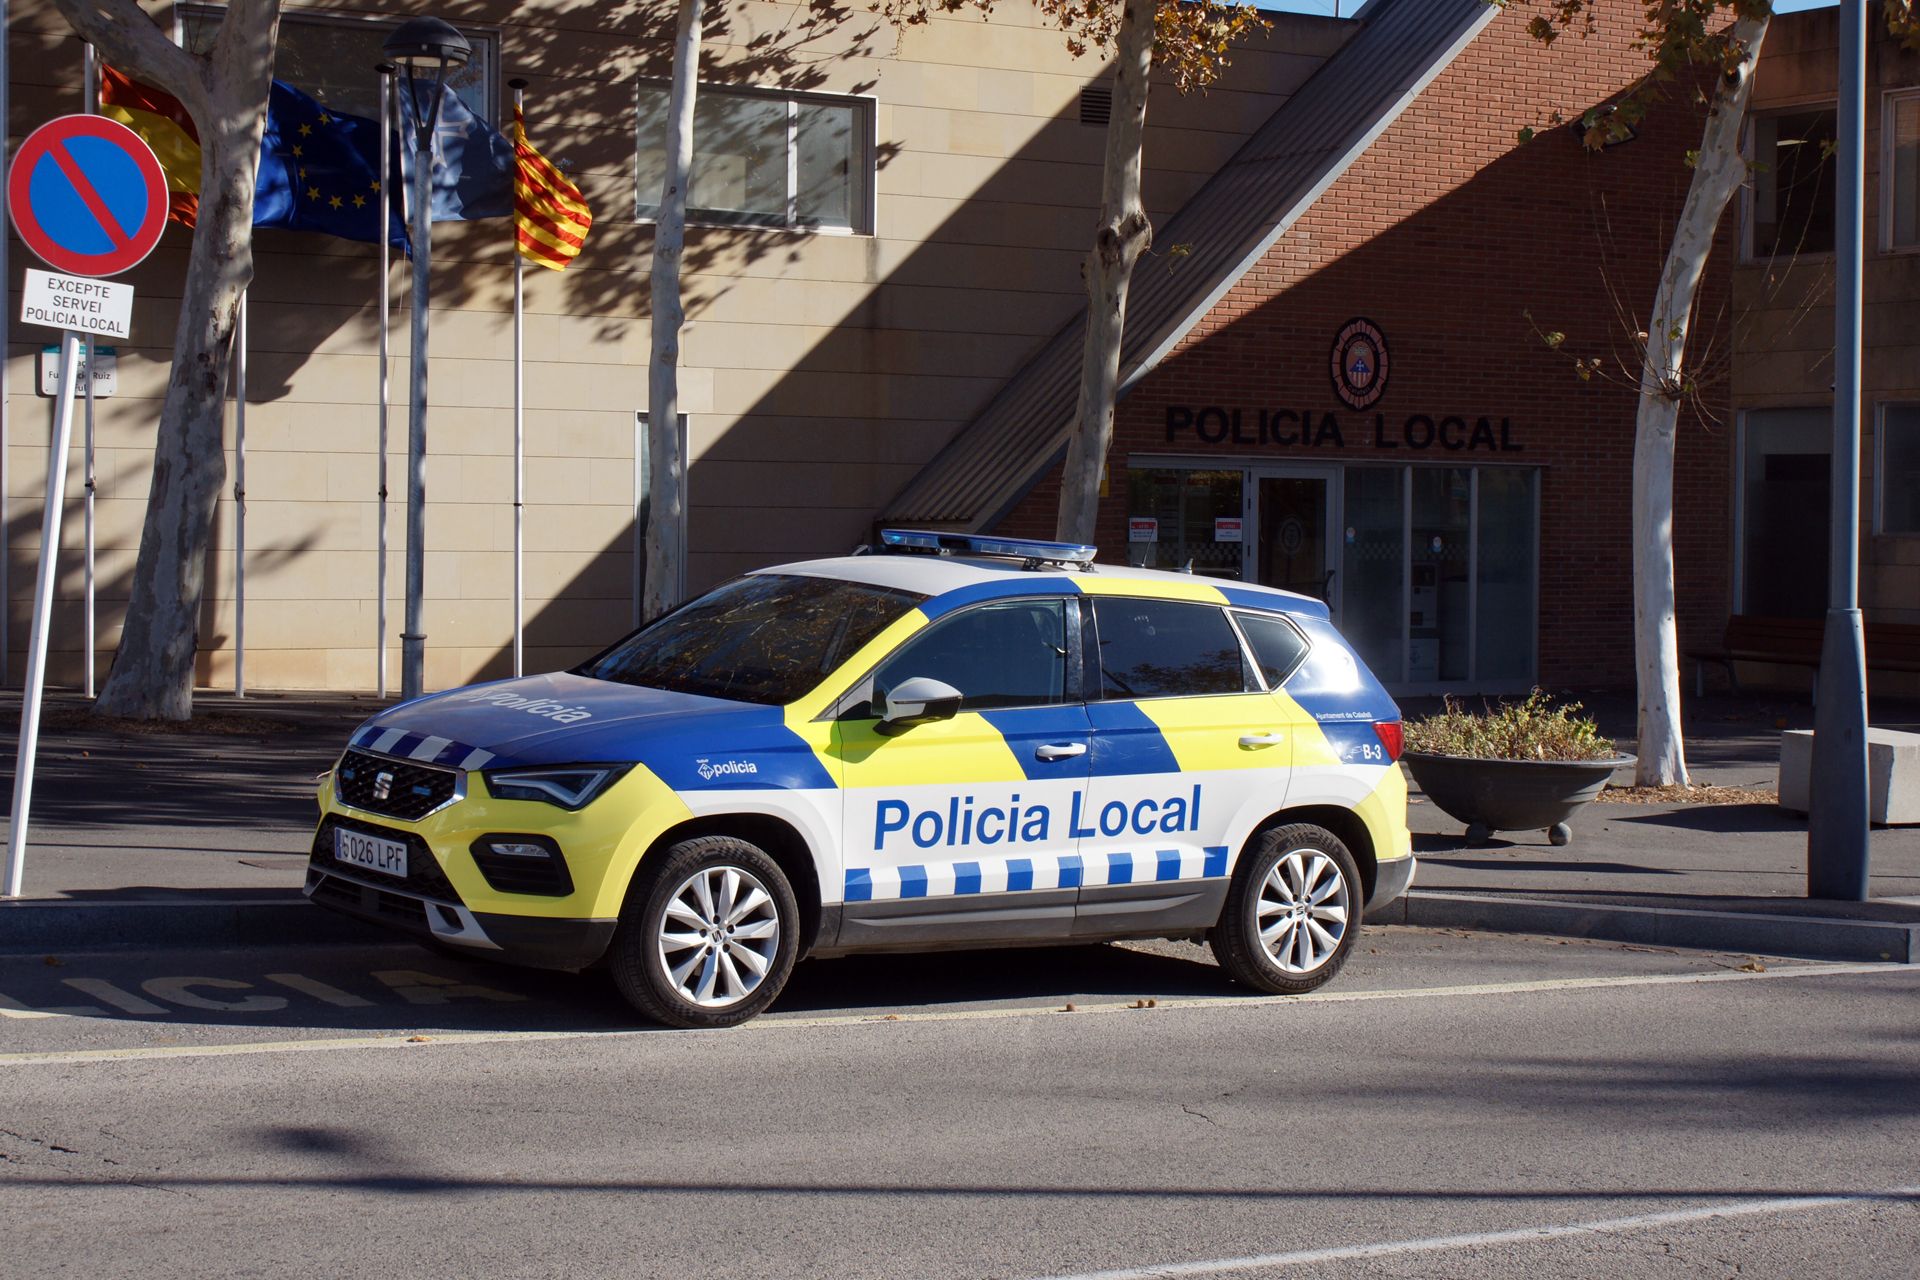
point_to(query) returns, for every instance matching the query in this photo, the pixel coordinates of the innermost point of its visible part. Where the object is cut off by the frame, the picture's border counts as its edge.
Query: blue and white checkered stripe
(1016, 875)
(425, 748)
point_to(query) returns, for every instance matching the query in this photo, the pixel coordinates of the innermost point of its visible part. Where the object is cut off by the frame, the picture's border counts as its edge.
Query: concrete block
(1893, 774)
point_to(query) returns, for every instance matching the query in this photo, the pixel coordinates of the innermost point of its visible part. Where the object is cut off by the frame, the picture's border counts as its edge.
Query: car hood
(692, 742)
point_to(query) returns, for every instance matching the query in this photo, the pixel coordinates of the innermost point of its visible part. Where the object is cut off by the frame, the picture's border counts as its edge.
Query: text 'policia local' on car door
(965, 742)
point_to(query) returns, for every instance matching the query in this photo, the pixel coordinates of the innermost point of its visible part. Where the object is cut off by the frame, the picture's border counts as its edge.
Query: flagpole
(90, 82)
(386, 291)
(519, 419)
(240, 503)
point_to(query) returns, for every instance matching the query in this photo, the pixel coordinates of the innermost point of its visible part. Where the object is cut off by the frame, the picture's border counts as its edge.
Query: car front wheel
(709, 935)
(1293, 912)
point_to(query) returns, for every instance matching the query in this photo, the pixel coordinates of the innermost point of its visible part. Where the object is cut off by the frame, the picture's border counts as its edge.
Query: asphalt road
(1454, 1105)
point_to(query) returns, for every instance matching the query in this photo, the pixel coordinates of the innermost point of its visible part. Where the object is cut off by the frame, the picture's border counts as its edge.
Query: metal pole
(413, 642)
(519, 427)
(31, 693)
(240, 502)
(6, 410)
(1837, 855)
(90, 84)
(386, 288)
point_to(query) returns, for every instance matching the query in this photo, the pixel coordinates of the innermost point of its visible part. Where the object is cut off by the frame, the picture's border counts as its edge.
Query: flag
(473, 169)
(550, 216)
(320, 171)
(165, 126)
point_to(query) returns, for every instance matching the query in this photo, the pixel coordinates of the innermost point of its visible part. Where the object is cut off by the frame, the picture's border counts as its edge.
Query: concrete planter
(1511, 795)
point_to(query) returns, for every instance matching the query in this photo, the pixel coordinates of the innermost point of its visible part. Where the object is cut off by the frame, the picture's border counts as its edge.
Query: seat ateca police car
(954, 742)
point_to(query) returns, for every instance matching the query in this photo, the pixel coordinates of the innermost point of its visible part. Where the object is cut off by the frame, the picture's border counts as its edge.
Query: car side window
(1277, 645)
(1008, 654)
(1168, 649)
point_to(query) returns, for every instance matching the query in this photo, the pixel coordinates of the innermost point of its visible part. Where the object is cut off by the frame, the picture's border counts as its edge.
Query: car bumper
(1390, 881)
(543, 942)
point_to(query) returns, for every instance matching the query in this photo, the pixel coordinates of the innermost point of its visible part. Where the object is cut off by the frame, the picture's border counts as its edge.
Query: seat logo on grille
(382, 785)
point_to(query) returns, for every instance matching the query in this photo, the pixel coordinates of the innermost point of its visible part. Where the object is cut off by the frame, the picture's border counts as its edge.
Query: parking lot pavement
(192, 1000)
(1455, 1106)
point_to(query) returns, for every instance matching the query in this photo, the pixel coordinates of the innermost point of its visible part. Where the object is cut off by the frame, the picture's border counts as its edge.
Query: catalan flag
(163, 122)
(550, 216)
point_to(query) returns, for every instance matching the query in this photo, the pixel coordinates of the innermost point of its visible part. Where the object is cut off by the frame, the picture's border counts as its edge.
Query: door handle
(1060, 750)
(1262, 739)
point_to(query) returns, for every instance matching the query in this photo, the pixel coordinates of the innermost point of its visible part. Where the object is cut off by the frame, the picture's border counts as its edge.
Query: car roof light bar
(1032, 551)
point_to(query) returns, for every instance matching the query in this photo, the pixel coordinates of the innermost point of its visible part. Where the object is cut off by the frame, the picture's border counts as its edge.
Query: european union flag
(320, 171)
(473, 161)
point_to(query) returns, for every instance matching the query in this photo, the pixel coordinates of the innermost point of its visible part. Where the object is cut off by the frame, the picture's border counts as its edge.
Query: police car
(954, 742)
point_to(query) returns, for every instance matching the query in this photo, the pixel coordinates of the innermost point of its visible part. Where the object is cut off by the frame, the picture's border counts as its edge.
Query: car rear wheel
(709, 934)
(1293, 912)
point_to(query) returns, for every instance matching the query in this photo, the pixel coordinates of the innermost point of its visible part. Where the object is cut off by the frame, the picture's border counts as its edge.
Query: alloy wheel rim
(718, 936)
(1303, 910)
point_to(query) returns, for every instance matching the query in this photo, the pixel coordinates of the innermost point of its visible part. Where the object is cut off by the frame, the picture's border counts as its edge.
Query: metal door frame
(1330, 474)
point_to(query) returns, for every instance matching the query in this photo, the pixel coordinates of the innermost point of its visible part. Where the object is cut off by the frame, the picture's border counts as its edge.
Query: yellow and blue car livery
(1110, 752)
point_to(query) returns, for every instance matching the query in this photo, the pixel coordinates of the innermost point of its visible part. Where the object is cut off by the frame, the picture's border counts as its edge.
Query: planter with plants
(1520, 766)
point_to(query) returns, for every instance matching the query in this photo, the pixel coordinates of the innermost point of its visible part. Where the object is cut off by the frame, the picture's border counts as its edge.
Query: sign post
(87, 195)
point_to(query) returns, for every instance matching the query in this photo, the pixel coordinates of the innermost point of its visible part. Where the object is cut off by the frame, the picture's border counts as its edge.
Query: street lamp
(420, 46)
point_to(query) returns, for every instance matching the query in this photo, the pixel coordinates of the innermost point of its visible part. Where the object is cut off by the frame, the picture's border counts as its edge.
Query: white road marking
(181, 991)
(319, 991)
(1519, 1235)
(107, 993)
(445, 987)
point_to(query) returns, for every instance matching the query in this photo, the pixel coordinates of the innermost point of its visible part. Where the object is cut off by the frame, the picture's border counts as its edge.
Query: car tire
(708, 936)
(1292, 913)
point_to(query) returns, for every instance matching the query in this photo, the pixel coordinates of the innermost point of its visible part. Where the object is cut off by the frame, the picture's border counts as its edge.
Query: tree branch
(132, 41)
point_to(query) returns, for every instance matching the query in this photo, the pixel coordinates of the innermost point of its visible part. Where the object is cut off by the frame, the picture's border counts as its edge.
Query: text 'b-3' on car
(956, 742)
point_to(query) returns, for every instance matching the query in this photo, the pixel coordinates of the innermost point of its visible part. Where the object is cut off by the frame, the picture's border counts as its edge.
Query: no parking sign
(86, 195)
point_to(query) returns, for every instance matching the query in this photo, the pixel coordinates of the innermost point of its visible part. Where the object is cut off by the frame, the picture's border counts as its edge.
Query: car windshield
(765, 638)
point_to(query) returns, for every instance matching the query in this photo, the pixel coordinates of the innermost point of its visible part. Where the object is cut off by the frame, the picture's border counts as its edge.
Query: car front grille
(424, 875)
(401, 789)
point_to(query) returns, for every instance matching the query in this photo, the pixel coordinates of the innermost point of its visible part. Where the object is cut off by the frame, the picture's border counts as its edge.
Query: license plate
(386, 856)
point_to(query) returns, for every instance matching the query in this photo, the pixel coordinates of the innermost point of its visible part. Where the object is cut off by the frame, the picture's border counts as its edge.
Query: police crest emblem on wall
(1359, 363)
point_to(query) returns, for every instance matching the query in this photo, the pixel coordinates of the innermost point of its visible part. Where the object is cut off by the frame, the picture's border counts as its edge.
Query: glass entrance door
(1295, 524)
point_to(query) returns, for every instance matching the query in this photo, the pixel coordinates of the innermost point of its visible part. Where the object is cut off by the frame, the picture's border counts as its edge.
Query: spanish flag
(550, 216)
(167, 128)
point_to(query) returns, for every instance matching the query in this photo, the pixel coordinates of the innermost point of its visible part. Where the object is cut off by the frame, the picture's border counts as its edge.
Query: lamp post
(420, 46)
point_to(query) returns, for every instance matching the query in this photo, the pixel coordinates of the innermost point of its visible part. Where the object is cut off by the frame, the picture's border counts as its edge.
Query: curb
(34, 926)
(38, 926)
(1807, 937)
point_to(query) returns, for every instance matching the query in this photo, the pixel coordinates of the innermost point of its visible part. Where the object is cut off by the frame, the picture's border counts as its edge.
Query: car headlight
(569, 786)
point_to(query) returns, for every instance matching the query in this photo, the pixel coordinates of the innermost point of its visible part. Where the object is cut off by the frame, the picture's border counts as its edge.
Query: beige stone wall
(819, 370)
(1784, 355)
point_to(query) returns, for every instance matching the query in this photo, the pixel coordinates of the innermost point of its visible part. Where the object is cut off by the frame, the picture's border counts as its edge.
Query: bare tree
(667, 470)
(225, 91)
(1684, 40)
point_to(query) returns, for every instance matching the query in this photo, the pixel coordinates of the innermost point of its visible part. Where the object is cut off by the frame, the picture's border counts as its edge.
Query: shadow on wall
(313, 308)
(944, 312)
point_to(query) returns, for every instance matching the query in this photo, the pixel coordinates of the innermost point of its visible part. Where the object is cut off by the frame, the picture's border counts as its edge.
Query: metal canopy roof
(1229, 223)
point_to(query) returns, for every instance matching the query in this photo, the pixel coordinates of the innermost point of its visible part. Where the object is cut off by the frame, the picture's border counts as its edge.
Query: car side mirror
(917, 700)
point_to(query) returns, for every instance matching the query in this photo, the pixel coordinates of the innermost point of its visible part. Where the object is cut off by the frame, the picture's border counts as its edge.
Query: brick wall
(1448, 233)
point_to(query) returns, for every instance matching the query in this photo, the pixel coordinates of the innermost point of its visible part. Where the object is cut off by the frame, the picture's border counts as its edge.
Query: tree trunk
(1124, 233)
(226, 93)
(1716, 176)
(666, 469)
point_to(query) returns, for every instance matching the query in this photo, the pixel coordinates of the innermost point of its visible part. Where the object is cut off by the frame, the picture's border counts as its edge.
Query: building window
(763, 158)
(1897, 470)
(1785, 503)
(1790, 209)
(1900, 169)
(332, 58)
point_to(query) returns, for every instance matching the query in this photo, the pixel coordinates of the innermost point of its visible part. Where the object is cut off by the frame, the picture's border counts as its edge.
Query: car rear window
(765, 638)
(1277, 644)
(1167, 649)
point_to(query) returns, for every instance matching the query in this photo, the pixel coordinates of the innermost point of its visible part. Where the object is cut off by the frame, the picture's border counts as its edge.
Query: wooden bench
(1796, 642)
